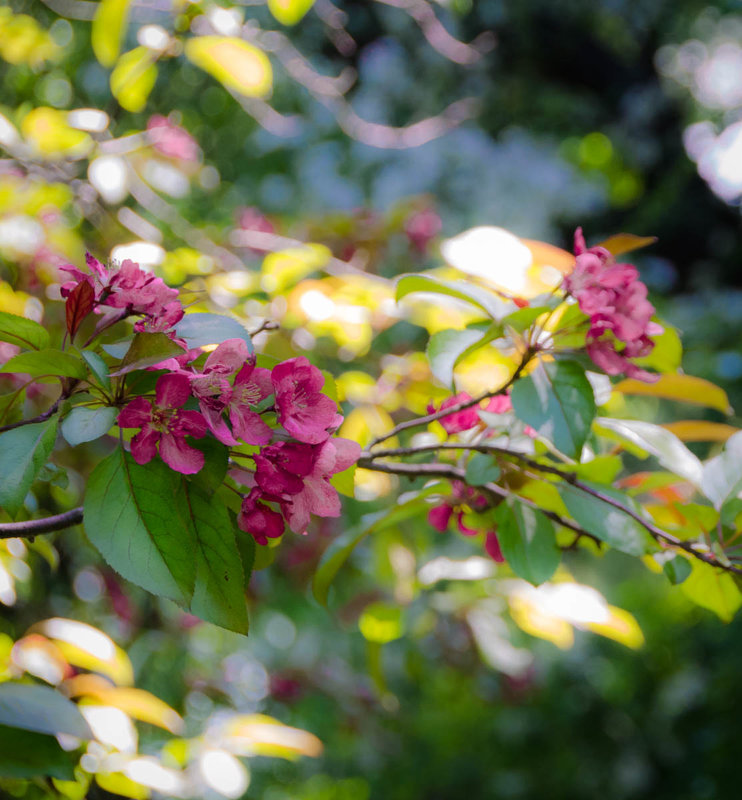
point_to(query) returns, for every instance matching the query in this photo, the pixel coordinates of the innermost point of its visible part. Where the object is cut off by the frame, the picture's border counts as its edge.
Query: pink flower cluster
(171, 140)
(129, 287)
(468, 418)
(614, 298)
(295, 462)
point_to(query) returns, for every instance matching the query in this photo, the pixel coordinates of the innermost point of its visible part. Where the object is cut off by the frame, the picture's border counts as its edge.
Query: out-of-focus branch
(438, 37)
(335, 19)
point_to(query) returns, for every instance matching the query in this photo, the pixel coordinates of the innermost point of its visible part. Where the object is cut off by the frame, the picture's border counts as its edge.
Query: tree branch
(32, 527)
(415, 423)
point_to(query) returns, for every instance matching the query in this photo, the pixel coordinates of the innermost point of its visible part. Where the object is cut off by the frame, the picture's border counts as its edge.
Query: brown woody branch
(32, 527)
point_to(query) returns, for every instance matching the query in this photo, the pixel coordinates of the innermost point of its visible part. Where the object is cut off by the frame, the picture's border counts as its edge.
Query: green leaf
(118, 350)
(667, 353)
(47, 362)
(608, 523)
(146, 350)
(219, 592)
(247, 547)
(109, 29)
(137, 518)
(23, 452)
(659, 442)
(558, 401)
(216, 461)
(341, 548)
(289, 12)
(87, 424)
(133, 78)
(98, 367)
(447, 348)
(22, 332)
(201, 329)
(469, 293)
(482, 469)
(677, 568)
(722, 475)
(24, 754)
(528, 542)
(523, 318)
(40, 709)
(712, 589)
(237, 65)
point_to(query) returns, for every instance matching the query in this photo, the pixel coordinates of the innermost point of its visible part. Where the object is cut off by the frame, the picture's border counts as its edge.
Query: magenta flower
(216, 395)
(440, 516)
(258, 519)
(167, 423)
(459, 420)
(302, 409)
(615, 299)
(492, 547)
(297, 475)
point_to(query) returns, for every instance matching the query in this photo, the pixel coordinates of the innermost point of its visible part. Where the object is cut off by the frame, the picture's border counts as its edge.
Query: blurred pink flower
(171, 140)
(421, 227)
(165, 422)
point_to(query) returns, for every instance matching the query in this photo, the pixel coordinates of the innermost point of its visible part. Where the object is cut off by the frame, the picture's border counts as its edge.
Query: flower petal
(179, 456)
(172, 390)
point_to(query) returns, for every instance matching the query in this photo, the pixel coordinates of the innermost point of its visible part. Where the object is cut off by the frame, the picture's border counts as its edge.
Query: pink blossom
(499, 404)
(165, 422)
(302, 409)
(297, 475)
(216, 395)
(129, 287)
(258, 519)
(460, 420)
(440, 516)
(614, 298)
(171, 140)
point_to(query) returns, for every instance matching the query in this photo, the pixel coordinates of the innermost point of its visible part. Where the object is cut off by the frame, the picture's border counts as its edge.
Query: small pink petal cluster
(462, 499)
(294, 464)
(614, 298)
(129, 287)
(171, 140)
(468, 418)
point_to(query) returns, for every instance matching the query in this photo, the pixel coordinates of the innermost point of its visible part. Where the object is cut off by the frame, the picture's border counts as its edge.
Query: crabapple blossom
(165, 423)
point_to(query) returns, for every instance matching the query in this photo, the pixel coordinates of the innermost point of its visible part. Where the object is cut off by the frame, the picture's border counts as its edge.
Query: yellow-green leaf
(237, 65)
(109, 29)
(712, 589)
(289, 12)
(684, 388)
(625, 242)
(133, 78)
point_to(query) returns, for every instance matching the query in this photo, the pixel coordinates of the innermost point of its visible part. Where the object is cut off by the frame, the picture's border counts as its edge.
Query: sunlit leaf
(109, 29)
(236, 64)
(133, 78)
(621, 626)
(50, 135)
(622, 243)
(146, 350)
(469, 293)
(659, 442)
(258, 734)
(700, 430)
(381, 623)
(289, 12)
(46, 362)
(722, 475)
(684, 388)
(446, 348)
(86, 647)
(712, 589)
